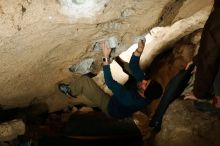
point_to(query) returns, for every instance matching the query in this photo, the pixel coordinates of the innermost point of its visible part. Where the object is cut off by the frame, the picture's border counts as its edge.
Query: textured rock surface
(39, 41)
(183, 125)
(10, 130)
(38, 44)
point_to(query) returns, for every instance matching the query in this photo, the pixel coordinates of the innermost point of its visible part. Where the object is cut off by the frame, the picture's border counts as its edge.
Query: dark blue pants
(172, 91)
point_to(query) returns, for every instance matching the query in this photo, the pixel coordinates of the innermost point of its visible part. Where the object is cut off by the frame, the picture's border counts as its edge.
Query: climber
(124, 101)
(207, 76)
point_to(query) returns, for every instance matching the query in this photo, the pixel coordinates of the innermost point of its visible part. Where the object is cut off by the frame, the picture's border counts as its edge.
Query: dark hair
(217, 3)
(154, 90)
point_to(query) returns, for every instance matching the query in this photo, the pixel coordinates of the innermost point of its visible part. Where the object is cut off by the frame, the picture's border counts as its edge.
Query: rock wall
(41, 39)
(184, 125)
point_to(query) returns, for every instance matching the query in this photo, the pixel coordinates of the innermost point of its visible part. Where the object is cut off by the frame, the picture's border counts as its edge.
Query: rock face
(10, 130)
(184, 125)
(41, 39)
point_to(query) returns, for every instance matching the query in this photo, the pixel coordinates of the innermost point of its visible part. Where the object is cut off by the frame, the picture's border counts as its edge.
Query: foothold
(83, 67)
(112, 43)
(97, 47)
(138, 38)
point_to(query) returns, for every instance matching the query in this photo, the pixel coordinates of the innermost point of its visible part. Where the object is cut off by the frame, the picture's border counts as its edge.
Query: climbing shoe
(65, 89)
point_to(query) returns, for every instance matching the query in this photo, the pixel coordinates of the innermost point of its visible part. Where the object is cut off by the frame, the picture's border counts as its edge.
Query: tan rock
(10, 130)
(39, 41)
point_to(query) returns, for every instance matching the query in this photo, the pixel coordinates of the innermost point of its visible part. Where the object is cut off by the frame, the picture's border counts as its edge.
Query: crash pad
(95, 128)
